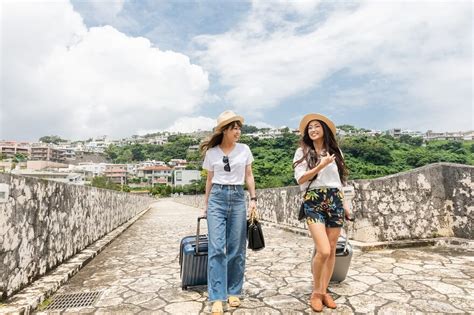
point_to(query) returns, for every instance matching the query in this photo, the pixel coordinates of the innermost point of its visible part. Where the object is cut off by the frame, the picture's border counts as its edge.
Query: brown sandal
(234, 301)
(328, 301)
(217, 308)
(316, 301)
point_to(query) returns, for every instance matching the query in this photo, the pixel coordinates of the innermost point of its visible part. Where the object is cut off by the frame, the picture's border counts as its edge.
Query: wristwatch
(253, 198)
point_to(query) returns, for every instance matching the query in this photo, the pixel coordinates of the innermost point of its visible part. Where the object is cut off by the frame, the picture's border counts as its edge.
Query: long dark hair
(217, 136)
(331, 147)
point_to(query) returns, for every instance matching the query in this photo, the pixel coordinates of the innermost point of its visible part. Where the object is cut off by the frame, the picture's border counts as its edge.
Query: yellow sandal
(234, 301)
(217, 308)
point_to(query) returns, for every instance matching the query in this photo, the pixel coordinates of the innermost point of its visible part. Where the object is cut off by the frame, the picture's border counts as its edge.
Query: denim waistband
(229, 187)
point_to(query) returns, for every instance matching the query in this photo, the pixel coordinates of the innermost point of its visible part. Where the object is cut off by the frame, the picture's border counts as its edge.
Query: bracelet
(253, 198)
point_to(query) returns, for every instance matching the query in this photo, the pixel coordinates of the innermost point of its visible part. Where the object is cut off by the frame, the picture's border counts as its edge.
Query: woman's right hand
(203, 213)
(328, 159)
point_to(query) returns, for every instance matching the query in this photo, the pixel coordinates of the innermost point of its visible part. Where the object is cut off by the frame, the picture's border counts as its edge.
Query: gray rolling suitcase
(343, 259)
(193, 258)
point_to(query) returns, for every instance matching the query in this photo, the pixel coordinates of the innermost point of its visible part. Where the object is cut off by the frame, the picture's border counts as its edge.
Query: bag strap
(254, 215)
(307, 188)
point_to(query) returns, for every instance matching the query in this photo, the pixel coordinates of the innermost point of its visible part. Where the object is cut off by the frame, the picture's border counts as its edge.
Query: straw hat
(226, 118)
(310, 117)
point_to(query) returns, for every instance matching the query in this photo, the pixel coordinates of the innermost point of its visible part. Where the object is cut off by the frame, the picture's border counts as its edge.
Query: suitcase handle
(346, 240)
(198, 231)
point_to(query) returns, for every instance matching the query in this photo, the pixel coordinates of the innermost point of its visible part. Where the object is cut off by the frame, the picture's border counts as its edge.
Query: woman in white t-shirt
(319, 164)
(228, 164)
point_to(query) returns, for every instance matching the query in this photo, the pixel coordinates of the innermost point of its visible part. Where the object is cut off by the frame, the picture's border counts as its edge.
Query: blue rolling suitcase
(193, 259)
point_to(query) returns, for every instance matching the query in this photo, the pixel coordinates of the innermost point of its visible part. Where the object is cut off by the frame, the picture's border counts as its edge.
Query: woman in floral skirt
(320, 171)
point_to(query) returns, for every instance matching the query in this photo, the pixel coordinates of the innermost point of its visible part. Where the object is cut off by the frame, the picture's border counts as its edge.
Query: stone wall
(431, 201)
(43, 223)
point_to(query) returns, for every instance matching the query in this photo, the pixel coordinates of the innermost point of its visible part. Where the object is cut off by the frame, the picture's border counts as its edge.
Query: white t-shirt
(239, 158)
(327, 177)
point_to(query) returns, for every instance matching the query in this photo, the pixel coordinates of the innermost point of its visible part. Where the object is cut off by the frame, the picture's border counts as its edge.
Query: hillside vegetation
(366, 157)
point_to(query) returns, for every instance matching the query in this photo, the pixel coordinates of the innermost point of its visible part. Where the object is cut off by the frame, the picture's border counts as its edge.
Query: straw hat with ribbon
(310, 117)
(226, 118)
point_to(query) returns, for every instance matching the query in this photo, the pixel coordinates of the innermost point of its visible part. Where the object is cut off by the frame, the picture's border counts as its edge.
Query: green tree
(248, 129)
(20, 157)
(137, 153)
(111, 152)
(104, 182)
(414, 141)
(52, 139)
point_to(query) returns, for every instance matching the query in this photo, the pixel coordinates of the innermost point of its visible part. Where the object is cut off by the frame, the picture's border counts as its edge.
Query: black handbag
(255, 233)
(302, 214)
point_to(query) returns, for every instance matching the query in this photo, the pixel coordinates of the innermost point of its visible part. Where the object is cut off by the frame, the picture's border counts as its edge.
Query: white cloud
(424, 49)
(190, 124)
(58, 77)
(105, 11)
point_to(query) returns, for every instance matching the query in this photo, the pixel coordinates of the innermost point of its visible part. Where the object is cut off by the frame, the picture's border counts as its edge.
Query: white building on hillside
(185, 177)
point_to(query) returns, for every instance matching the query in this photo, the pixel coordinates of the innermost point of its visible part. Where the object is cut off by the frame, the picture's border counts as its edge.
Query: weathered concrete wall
(459, 190)
(43, 223)
(434, 200)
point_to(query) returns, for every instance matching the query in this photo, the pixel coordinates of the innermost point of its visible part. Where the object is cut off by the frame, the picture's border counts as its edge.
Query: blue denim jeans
(227, 226)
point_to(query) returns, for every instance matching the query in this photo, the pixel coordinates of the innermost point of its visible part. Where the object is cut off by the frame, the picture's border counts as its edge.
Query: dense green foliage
(105, 182)
(366, 157)
(52, 139)
(273, 159)
(370, 157)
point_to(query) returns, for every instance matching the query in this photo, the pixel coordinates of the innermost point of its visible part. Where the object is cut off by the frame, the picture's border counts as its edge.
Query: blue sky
(82, 69)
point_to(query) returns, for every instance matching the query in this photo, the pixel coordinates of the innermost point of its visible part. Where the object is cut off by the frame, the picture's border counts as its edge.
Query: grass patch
(44, 304)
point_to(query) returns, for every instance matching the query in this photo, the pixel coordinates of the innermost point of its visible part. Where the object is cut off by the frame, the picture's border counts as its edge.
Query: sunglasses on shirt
(225, 159)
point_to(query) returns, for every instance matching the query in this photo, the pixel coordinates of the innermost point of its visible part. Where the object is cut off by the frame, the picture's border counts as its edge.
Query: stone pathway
(139, 273)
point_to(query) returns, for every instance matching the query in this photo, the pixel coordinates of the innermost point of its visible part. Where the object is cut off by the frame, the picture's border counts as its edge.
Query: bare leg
(332, 235)
(321, 241)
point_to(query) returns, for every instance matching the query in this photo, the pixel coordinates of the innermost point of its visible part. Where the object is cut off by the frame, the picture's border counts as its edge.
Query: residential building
(178, 163)
(97, 145)
(90, 169)
(430, 135)
(468, 135)
(156, 174)
(395, 132)
(9, 149)
(117, 173)
(270, 133)
(43, 165)
(158, 140)
(51, 153)
(412, 133)
(185, 177)
(150, 163)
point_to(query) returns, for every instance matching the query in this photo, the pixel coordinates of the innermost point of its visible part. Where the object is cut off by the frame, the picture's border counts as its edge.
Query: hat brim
(229, 120)
(310, 117)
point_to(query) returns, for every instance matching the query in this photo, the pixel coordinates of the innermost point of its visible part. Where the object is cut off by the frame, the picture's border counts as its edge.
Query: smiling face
(232, 132)
(315, 130)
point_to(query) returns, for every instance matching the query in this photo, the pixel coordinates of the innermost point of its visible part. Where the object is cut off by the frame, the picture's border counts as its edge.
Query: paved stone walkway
(139, 274)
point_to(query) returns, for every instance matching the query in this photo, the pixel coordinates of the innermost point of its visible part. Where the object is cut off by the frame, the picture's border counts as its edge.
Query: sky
(81, 69)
